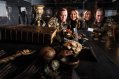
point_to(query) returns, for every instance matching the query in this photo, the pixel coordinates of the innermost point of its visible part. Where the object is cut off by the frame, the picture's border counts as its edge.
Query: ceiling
(104, 3)
(60, 1)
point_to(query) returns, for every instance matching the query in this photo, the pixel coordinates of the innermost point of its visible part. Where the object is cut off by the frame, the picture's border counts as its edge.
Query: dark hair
(101, 10)
(61, 9)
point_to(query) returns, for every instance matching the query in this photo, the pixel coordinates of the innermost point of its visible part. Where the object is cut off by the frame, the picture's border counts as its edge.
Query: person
(74, 19)
(87, 19)
(99, 18)
(59, 21)
(99, 25)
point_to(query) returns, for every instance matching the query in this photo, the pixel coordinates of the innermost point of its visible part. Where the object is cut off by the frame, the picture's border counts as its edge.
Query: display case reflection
(111, 23)
(4, 17)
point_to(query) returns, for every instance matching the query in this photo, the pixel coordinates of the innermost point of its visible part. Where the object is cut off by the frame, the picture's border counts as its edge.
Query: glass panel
(3, 13)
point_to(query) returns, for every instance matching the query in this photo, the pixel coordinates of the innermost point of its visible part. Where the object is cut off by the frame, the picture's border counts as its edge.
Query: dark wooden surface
(96, 63)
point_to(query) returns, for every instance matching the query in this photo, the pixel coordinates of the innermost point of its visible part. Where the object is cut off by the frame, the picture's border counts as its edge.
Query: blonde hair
(84, 13)
(77, 13)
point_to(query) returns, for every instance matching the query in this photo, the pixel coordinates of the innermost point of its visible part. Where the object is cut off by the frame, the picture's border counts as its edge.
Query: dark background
(14, 13)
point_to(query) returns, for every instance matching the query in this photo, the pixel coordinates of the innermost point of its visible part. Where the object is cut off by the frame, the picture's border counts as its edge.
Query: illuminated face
(87, 15)
(63, 16)
(99, 16)
(73, 15)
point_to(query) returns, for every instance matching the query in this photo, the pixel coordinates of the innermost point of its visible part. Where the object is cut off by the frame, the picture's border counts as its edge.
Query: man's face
(63, 16)
(99, 16)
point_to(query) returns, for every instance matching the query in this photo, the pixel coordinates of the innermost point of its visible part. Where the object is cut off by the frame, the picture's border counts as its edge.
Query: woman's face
(63, 16)
(73, 15)
(87, 15)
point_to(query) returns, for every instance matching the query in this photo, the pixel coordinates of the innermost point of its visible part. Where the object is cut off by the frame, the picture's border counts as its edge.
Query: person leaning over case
(74, 19)
(59, 21)
(99, 25)
(87, 20)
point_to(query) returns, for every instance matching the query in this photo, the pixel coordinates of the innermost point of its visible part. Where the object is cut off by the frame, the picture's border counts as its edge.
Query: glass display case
(4, 13)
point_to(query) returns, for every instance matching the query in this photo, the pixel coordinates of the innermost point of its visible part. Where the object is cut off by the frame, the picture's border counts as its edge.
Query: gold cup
(39, 9)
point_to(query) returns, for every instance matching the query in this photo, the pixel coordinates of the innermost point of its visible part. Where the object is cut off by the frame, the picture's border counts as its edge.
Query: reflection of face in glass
(87, 15)
(63, 16)
(99, 16)
(73, 15)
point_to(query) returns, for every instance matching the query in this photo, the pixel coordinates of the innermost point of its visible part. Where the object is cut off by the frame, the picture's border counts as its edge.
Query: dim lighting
(114, 0)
